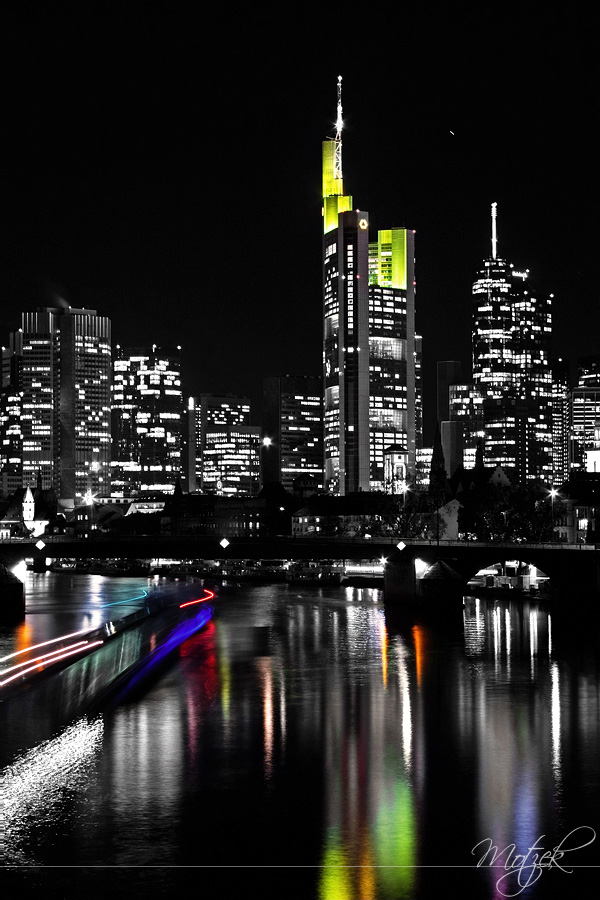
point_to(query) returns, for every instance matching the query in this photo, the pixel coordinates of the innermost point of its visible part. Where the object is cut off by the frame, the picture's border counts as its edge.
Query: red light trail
(209, 596)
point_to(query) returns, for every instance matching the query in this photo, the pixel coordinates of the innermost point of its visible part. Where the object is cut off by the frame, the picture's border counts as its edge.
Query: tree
(510, 513)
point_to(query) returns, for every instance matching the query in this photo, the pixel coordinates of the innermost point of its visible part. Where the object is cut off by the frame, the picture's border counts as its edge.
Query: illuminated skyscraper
(511, 347)
(561, 419)
(223, 448)
(64, 381)
(292, 431)
(466, 408)
(585, 416)
(147, 420)
(369, 348)
(231, 460)
(11, 437)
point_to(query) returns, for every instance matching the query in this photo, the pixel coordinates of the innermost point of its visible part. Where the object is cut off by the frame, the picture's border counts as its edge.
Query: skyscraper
(369, 348)
(64, 381)
(223, 448)
(585, 416)
(147, 420)
(511, 349)
(292, 430)
(231, 460)
(466, 409)
(561, 419)
(11, 437)
(449, 374)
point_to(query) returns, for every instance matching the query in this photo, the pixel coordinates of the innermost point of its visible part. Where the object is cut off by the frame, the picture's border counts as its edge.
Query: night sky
(164, 167)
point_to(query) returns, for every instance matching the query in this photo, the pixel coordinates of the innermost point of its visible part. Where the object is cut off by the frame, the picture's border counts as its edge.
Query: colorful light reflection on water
(308, 733)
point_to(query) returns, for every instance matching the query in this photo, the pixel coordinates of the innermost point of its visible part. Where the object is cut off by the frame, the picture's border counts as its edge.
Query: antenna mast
(494, 239)
(338, 132)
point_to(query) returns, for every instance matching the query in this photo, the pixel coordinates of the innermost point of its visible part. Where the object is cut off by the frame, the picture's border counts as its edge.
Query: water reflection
(299, 729)
(370, 841)
(39, 788)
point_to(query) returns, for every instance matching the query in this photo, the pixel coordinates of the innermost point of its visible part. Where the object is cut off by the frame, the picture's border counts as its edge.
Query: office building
(230, 460)
(64, 383)
(11, 436)
(292, 430)
(585, 416)
(511, 344)
(449, 373)
(392, 351)
(11, 442)
(147, 421)
(588, 371)
(369, 347)
(561, 420)
(465, 406)
(423, 467)
(216, 424)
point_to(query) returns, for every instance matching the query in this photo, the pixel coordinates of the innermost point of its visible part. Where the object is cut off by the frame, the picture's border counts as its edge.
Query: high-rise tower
(292, 430)
(65, 377)
(511, 348)
(346, 322)
(147, 416)
(369, 348)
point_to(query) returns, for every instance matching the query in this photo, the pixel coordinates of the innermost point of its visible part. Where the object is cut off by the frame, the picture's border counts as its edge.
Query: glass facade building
(392, 351)
(231, 461)
(64, 382)
(466, 407)
(561, 420)
(512, 326)
(11, 435)
(147, 421)
(223, 454)
(292, 430)
(370, 353)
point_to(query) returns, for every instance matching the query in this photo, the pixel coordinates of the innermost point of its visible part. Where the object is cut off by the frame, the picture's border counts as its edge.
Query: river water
(301, 746)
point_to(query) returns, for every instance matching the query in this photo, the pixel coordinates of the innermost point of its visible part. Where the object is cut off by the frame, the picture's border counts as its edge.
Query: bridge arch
(458, 562)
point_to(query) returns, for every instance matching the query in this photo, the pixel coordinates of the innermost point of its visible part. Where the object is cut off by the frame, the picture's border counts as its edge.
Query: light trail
(209, 596)
(63, 637)
(63, 656)
(45, 656)
(142, 596)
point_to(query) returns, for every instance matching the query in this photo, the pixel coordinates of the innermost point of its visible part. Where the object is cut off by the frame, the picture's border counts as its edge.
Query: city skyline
(184, 205)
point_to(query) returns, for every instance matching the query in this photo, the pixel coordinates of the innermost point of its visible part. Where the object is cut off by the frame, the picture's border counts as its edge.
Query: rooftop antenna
(338, 132)
(494, 238)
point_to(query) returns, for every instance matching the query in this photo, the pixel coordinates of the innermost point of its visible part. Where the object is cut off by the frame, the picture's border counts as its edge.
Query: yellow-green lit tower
(371, 395)
(394, 389)
(346, 327)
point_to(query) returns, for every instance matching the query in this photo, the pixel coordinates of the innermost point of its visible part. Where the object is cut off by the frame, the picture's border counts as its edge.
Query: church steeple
(28, 506)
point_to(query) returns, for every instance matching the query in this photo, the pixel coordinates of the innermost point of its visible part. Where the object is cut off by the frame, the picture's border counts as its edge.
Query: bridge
(420, 572)
(570, 567)
(186, 547)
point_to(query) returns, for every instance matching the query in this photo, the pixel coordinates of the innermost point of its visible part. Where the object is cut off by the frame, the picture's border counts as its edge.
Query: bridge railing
(291, 539)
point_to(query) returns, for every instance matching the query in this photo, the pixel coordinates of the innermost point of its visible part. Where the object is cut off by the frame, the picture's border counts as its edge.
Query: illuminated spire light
(338, 131)
(494, 238)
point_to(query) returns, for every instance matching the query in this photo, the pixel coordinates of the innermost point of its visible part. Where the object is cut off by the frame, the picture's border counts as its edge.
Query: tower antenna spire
(494, 238)
(338, 131)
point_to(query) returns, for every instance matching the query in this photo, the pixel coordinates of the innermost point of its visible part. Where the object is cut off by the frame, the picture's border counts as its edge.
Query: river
(300, 746)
